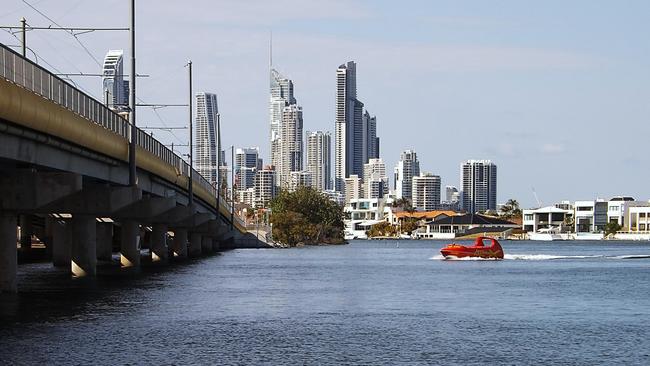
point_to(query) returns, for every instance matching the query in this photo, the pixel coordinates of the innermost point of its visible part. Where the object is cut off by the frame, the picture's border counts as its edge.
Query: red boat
(479, 249)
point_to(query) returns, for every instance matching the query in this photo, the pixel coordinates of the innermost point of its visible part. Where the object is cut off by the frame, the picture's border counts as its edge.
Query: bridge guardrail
(33, 77)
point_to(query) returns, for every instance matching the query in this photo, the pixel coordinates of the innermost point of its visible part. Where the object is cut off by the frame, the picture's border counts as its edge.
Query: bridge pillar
(84, 246)
(159, 243)
(215, 245)
(180, 243)
(26, 232)
(195, 245)
(8, 253)
(206, 245)
(105, 241)
(130, 244)
(61, 243)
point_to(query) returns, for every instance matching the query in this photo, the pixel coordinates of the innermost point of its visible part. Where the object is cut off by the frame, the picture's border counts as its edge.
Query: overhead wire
(73, 34)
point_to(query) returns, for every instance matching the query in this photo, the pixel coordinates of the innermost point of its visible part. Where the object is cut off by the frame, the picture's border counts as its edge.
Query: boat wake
(542, 257)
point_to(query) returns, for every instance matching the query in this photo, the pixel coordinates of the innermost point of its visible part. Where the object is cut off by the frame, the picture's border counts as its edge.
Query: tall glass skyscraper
(281, 95)
(115, 88)
(286, 129)
(205, 140)
(348, 127)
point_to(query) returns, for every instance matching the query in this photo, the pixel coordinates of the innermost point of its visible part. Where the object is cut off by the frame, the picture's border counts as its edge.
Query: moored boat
(478, 250)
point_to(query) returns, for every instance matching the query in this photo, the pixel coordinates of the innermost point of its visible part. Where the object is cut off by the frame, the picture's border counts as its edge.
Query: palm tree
(511, 209)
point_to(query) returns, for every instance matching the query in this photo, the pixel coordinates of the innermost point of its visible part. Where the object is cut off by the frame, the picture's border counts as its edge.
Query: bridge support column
(26, 232)
(195, 245)
(206, 245)
(61, 243)
(84, 246)
(159, 243)
(130, 244)
(8, 253)
(215, 245)
(105, 241)
(180, 243)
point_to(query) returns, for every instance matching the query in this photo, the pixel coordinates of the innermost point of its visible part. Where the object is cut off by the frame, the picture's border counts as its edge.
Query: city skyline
(520, 95)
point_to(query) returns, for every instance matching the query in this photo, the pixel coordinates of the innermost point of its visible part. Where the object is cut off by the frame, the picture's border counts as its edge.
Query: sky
(556, 93)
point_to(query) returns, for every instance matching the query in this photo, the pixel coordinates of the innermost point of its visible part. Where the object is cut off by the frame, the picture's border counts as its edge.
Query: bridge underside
(77, 203)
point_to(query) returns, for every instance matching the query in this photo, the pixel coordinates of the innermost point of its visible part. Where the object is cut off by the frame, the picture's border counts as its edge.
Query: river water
(370, 302)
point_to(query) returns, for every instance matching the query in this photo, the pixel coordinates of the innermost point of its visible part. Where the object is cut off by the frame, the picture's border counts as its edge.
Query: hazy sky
(556, 93)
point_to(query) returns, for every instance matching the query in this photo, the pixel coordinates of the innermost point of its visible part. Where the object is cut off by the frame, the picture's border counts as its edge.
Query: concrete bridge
(64, 178)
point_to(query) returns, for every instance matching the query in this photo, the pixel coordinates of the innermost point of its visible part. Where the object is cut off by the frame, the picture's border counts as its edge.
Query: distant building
(319, 161)
(291, 153)
(638, 218)
(353, 188)
(426, 192)
(264, 186)
(407, 168)
(247, 163)
(348, 127)
(590, 216)
(299, 179)
(375, 181)
(369, 139)
(617, 209)
(205, 139)
(550, 219)
(335, 196)
(451, 194)
(115, 88)
(281, 96)
(246, 196)
(478, 181)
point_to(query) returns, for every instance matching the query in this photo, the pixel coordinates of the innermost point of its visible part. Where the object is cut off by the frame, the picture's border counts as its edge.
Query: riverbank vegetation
(306, 217)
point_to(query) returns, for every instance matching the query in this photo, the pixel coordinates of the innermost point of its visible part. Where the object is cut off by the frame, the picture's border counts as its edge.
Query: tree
(511, 209)
(306, 216)
(611, 228)
(382, 229)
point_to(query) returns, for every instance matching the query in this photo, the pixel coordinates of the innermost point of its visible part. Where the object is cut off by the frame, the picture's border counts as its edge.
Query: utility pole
(232, 186)
(133, 179)
(22, 25)
(218, 161)
(190, 184)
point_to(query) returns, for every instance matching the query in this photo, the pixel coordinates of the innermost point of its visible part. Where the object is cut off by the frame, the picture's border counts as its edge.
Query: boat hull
(478, 250)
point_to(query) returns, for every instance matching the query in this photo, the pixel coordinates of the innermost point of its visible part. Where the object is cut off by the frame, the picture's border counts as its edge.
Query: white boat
(405, 236)
(550, 234)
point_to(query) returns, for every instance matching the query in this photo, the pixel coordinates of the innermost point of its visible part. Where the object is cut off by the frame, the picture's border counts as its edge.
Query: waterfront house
(450, 227)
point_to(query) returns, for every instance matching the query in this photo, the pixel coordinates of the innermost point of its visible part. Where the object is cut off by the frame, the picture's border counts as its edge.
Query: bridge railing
(38, 80)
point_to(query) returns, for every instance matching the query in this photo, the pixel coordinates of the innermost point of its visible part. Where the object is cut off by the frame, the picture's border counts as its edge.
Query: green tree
(306, 216)
(611, 228)
(382, 229)
(409, 225)
(511, 209)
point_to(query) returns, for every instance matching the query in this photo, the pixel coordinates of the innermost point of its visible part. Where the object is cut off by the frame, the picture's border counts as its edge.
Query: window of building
(613, 208)
(642, 215)
(641, 227)
(585, 208)
(528, 217)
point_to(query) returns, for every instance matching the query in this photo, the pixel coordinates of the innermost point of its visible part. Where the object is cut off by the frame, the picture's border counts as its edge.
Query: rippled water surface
(377, 302)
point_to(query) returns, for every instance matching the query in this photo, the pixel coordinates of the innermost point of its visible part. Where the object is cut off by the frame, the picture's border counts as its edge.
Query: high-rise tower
(478, 182)
(290, 144)
(348, 129)
(319, 163)
(407, 168)
(115, 88)
(205, 140)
